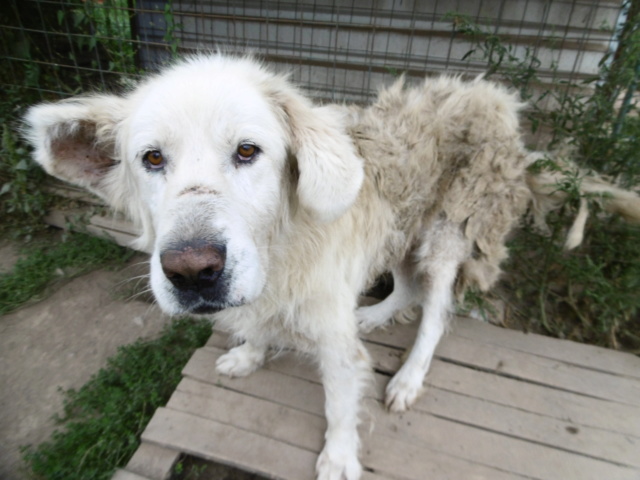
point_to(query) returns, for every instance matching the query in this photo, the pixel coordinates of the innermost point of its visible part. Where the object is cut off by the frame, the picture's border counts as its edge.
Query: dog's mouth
(206, 309)
(199, 303)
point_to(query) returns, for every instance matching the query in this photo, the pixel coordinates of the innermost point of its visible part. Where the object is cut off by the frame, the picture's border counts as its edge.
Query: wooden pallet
(89, 214)
(499, 404)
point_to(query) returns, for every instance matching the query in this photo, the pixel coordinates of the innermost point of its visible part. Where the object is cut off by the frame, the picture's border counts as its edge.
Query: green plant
(103, 420)
(589, 294)
(519, 66)
(103, 26)
(185, 469)
(89, 26)
(44, 263)
(171, 27)
(22, 201)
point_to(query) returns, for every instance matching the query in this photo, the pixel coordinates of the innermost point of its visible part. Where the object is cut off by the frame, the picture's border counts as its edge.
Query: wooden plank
(544, 371)
(583, 355)
(578, 354)
(122, 239)
(488, 448)
(518, 364)
(76, 220)
(410, 462)
(462, 440)
(113, 225)
(306, 430)
(573, 408)
(219, 339)
(304, 395)
(115, 222)
(526, 366)
(569, 409)
(521, 395)
(126, 475)
(557, 433)
(153, 461)
(458, 396)
(57, 187)
(223, 443)
(282, 361)
(267, 418)
(375, 476)
(414, 460)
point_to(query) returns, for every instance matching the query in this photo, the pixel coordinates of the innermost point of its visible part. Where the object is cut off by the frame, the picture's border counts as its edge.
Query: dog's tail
(557, 179)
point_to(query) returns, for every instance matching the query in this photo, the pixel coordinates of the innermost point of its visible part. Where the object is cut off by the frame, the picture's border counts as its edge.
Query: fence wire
(338, 50)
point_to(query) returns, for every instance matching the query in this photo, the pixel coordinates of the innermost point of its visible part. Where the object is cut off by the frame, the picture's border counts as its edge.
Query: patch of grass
(104, 419)
(43, 264)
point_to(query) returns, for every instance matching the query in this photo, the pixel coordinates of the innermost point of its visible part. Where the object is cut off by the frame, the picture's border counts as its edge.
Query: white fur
(426, 182)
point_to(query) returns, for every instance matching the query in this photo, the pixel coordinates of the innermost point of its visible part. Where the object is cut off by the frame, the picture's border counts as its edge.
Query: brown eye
(153, 160)
(246, 152)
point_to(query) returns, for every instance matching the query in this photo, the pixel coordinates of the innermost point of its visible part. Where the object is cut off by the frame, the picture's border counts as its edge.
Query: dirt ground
(57, 344)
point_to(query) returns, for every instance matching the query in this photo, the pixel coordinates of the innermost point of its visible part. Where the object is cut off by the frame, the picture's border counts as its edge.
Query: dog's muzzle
(197, 272)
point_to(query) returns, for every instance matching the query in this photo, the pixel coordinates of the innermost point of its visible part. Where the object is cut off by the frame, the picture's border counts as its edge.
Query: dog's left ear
(330, 170)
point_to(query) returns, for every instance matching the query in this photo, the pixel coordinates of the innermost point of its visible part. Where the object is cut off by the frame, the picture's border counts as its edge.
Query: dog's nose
(193, 267)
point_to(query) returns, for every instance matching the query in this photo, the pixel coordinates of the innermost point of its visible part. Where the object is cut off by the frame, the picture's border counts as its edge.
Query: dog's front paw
(403, 390)
(334, 464)
(240, 361)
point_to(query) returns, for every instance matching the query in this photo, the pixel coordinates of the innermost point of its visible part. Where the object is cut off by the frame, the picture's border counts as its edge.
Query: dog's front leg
(242, 360)
(345, 368)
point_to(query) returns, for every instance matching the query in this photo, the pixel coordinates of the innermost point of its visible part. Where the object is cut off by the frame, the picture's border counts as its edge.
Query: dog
(272, 214)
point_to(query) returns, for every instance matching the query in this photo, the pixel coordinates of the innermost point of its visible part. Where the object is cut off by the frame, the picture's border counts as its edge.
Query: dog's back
(448, 148)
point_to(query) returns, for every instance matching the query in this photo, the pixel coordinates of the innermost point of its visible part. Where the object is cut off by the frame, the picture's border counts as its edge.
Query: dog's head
(208, 156)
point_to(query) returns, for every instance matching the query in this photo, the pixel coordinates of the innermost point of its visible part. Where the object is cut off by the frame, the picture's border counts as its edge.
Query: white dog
(273, 214)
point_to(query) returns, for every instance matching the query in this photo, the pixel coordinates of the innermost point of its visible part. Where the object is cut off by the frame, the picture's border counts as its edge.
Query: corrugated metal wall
(343, 50)
(338, 49)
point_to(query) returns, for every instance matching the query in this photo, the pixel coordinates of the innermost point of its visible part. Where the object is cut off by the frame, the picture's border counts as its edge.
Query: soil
(57, 344)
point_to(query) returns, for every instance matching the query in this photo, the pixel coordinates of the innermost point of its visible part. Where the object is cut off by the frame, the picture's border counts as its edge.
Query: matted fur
(426, 183)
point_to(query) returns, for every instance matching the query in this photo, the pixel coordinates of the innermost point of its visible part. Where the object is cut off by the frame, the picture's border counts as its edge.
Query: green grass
(45, 262)
(104, 419)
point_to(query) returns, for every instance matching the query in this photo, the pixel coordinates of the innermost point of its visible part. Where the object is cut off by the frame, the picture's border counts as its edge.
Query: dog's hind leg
(439, 256)
(405, 294)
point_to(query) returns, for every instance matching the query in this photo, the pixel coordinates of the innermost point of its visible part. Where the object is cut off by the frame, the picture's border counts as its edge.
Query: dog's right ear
(76, 140)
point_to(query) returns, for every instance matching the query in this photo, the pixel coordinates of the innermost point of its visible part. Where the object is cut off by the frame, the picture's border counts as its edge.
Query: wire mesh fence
(340, 50)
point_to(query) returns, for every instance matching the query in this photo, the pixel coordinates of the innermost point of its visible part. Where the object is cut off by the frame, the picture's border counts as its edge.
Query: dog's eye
(153, 160)
(246, 152)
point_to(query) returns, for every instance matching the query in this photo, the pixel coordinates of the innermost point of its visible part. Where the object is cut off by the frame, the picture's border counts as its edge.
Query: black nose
(193, 267)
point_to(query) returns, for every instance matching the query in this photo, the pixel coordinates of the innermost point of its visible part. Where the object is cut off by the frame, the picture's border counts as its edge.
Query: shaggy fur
(278, 243)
